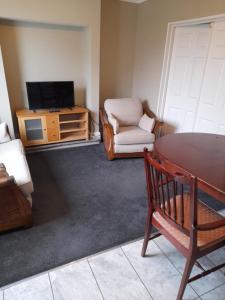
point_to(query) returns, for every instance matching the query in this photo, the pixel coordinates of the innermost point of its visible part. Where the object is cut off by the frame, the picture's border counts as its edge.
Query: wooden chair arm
(157, 128)
(105, 121)
(107, 134)
(103, 117)
(149, 113)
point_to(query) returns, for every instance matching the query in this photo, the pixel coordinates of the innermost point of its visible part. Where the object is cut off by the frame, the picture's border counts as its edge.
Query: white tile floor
(121, 273)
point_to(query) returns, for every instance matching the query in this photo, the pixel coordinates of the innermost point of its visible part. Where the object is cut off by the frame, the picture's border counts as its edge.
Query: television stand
(51, 110)
(44, 127)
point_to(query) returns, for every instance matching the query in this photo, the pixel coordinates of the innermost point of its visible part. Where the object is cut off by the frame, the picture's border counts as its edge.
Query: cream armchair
(122, 134)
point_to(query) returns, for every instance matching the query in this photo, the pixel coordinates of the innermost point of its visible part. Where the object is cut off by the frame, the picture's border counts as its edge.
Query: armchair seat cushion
(130, 135)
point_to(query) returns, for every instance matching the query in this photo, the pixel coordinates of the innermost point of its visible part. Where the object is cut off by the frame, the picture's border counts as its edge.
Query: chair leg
(148, 229)
(187, 271)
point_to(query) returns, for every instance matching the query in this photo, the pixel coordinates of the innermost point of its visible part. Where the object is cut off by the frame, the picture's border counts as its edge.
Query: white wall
(82, 13)
(5, 109)
(153, 17)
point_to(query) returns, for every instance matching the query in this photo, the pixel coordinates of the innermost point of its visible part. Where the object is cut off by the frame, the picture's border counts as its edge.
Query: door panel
(210, 115)
(196, 77)
(187, 67)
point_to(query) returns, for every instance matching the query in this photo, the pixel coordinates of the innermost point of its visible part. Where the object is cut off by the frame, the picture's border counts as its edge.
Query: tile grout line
(164, 253)
(5, 287)
(95, 279)
(50, 286)
(220, 270)
(212, 290)
(182, 274)
(136, 272)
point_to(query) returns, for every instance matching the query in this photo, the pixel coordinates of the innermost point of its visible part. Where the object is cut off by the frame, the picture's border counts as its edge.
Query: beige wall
(132, 40)
(153, 17)
(43, 53)
(118, 33)
(83, 13)
(5, 109)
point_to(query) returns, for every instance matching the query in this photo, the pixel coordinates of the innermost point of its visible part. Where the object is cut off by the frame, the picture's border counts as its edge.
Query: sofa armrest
(107, 134)
(5, 179)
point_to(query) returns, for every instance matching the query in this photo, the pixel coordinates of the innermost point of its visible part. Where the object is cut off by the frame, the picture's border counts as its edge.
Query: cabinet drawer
(52, 122)
(53, 135)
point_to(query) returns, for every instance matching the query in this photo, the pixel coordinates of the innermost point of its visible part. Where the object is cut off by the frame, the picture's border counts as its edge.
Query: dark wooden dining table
(201, 154)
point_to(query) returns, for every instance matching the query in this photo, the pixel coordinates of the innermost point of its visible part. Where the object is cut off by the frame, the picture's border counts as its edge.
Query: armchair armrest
(157, 128)
(5, 179)
(107, 134)
(103, 117)
(158, 124)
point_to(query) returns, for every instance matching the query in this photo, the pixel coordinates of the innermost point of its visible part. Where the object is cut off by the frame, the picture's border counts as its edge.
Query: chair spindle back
(167, 187)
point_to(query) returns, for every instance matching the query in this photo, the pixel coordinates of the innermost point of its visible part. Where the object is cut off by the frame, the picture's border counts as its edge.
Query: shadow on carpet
(82, 204)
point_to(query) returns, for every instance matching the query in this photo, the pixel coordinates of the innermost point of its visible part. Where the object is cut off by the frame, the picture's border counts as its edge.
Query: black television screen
(50, 94)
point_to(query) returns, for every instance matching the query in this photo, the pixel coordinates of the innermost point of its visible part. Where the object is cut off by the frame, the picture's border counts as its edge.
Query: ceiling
(134, 1)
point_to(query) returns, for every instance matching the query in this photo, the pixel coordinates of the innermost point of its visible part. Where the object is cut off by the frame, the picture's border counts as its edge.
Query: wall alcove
(43, 52)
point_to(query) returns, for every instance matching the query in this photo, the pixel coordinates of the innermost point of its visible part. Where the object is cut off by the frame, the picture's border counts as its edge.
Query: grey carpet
(82, 204)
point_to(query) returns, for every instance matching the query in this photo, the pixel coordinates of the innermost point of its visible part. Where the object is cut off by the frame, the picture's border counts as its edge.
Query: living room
(87, 199)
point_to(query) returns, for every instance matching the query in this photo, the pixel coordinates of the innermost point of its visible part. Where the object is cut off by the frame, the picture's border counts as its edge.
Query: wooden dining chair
(174, 209)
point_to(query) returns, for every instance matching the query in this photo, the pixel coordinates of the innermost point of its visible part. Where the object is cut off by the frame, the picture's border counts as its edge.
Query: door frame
(168, 54)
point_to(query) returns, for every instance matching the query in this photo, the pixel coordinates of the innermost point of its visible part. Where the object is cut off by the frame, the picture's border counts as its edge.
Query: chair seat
(205, 215)
(130, 135)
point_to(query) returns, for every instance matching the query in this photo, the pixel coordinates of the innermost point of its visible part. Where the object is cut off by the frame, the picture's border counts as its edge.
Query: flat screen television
(50, 94)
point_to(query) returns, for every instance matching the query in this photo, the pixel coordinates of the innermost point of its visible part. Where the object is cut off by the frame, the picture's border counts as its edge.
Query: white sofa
(123, 136)
(12, 155)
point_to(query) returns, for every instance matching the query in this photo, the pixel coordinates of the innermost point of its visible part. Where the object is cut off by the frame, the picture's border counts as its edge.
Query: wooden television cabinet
(43, 127)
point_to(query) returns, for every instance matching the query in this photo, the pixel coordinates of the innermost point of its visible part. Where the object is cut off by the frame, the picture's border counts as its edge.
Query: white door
(188, 61)
(210, 116)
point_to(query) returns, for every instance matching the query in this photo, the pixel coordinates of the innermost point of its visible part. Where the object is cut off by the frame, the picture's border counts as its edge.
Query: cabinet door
(33, 131)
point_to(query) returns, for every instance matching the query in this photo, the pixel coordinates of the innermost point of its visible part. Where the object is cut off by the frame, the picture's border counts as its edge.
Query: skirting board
(94, 140)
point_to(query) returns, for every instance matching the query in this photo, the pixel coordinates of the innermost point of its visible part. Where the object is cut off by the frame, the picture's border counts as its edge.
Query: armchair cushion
(4, 136)
(114, 122)
(146, 123)
(130, 135)
(128, 111)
